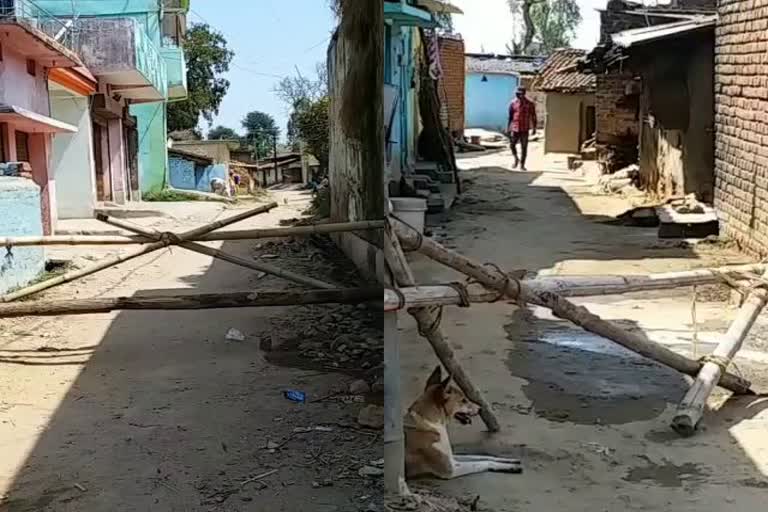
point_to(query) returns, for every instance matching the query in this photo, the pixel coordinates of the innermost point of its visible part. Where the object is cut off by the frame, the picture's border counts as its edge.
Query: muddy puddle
(574, 376)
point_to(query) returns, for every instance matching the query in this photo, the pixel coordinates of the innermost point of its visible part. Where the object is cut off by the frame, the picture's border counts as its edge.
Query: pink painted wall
(17, 87)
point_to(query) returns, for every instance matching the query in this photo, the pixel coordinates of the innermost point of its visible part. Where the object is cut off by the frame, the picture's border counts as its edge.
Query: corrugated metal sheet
(642, 35)
(560, 74)
(502, 64)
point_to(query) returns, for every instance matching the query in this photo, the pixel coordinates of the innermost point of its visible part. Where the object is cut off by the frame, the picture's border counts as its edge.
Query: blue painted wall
(20, 216)
(487, 102)
(187, 175)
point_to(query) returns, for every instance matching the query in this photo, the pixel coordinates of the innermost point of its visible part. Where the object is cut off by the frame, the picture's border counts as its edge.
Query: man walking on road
(522, 121)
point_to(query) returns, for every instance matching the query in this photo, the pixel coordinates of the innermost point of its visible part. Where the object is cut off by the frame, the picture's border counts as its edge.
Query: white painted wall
(72, 158)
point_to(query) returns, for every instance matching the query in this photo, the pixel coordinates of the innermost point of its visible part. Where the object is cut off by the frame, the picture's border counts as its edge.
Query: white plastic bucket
(411, 210)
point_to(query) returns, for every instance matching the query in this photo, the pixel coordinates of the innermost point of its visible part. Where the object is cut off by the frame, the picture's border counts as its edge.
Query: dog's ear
(444, 383)
(435, 378)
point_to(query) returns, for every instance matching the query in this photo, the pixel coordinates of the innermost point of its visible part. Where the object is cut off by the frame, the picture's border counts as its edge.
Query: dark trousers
(522, 138)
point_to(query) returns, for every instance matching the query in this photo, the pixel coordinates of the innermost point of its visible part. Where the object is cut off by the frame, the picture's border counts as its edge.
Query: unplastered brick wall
(452, 82)
(616, 112)
(741, 122)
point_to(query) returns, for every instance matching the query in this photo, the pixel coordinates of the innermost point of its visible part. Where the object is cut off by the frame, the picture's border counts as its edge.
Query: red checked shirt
(522, 115)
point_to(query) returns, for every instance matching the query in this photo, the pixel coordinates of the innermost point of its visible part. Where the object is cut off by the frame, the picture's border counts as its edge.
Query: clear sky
(273, 37)
(270, 39)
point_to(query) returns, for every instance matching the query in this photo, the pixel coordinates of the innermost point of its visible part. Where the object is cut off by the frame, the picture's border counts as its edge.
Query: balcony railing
(31, 14)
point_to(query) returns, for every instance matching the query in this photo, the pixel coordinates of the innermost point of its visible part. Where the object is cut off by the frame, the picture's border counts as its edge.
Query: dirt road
(590, 420)
(140, 411)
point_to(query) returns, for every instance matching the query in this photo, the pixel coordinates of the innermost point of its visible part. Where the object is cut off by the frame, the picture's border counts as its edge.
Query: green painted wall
(151, 117)
(153, 148)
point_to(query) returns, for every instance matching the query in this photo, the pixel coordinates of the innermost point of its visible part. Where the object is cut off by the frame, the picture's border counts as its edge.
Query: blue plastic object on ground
(295, 396)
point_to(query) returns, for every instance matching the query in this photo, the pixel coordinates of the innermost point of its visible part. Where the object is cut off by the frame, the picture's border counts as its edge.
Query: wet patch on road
(667, 474)
(574, 376)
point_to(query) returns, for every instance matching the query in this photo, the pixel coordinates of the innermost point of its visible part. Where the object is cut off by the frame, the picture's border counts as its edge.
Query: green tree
(312, 126)
(260, 129)
(222, 133)
(207, 59)
(547, 25)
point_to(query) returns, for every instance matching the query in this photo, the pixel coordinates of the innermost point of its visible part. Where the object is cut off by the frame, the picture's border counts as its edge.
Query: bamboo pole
(249, 299)
(691, 408)
(216, 253)
(397, 263)
(77, 274)
(244, 234)
(213, 226)
(394, 438)
(565, 286)
(560, 306)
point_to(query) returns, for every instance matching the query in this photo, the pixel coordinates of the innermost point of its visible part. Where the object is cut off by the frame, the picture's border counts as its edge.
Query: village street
(159, 410)
(589, 420)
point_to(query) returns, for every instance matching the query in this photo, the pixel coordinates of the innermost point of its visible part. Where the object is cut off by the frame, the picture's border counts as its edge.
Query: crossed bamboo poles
(153, 240)
(492, 284)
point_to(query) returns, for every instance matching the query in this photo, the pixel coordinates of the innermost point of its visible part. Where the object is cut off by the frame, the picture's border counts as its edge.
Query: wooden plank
(248, 299)
(559, 306)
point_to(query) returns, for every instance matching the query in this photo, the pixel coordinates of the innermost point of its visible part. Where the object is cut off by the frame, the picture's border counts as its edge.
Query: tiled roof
(502, 64)
(559, 73)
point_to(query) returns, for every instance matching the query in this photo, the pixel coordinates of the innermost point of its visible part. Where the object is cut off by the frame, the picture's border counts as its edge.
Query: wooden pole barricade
(565, 286)
(266, 298)
(216, 253)
(97, 238)
(429, 327)
(691, 409)
(110, 262)
(561, 307)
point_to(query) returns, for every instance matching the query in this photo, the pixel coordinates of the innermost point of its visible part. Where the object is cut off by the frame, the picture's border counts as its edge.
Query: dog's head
(450, 398)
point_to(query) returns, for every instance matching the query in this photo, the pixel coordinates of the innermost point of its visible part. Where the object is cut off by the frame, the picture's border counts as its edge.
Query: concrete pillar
(117, 170)
(39, 160)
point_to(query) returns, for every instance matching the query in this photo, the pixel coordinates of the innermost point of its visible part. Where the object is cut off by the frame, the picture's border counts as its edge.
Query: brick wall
(616, 112)
(452, 83)
(741, 122)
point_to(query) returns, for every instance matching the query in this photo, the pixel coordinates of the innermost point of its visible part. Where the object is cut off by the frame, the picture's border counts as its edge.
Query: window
(22, 147)
(31, 67)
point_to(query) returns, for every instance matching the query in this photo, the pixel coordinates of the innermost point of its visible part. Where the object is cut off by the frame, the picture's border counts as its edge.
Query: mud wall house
(675, 65)
(135, 46)
(618, 91)
(741, 125)
(491, 84)
(28, 51)
(569, 97)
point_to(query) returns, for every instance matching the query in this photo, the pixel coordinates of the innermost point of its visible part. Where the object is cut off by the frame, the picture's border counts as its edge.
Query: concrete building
(28, 50)
(134, 48)
(72, 156)
(569, 97)
(491, 83)
(741, 126)
(193, 164)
